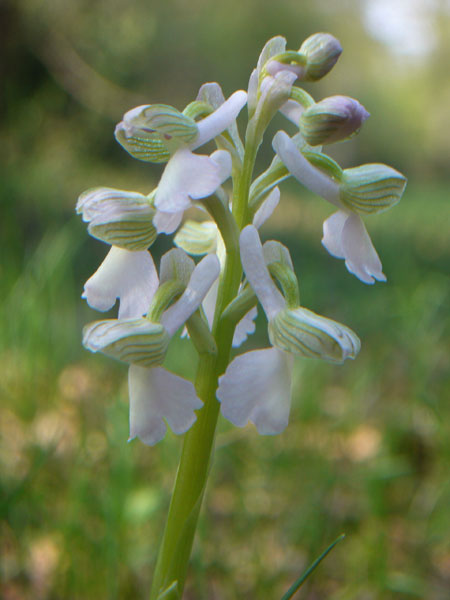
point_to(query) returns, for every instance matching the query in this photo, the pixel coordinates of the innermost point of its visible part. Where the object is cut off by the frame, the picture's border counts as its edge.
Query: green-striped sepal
(304, 333)
(371, 188)
(135, 341)
(155, 131)
(118, 217)
(197, 238)
(321, 51)
(332, 120)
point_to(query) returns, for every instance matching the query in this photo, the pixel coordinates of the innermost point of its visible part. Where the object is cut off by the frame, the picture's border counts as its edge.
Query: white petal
(245, 327)
(332, 233)
(255, 268)
(213, 125)
(202, 278)
(167, 222)
(311, 177)
(257, 387)
(189, 175)
(155, 395)
(266, 209)
(129, 276)
(292, 110)
(361, 258)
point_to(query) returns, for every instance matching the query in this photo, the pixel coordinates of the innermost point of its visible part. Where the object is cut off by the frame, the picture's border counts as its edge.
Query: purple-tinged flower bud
(321, 51)
(332, 120)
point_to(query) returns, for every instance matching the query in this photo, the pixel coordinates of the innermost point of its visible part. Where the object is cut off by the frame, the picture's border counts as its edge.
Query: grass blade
(301, 580)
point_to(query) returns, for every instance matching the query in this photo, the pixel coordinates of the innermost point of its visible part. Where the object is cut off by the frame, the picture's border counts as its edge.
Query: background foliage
(367, 449)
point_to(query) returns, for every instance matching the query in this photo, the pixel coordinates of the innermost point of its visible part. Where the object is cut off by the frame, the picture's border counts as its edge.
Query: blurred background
(367, 449)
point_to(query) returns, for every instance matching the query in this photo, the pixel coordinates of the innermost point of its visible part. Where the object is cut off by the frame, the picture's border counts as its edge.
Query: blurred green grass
(367, 449)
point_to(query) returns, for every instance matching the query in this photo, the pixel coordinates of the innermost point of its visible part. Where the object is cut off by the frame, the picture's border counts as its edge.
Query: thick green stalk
(195, 459)
(240, 200)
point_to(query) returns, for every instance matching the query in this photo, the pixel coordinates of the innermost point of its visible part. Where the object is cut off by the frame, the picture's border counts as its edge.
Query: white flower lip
(188, 177)
(345, 236)
(129, 276)
(155, 395)
(265, 375)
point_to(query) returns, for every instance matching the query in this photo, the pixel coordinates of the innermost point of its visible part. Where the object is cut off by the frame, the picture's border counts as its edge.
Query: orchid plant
(215, 301)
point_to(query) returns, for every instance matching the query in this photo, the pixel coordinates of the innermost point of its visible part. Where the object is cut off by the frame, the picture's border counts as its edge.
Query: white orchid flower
(256, 385)
(366, 189)
(128, 276)
(155, 393)
(187, 176)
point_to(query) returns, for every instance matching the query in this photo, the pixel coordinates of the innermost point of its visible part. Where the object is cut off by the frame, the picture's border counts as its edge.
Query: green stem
(193, 470)
(240, 200)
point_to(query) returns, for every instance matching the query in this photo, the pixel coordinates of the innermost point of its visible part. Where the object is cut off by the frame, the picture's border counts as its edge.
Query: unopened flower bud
(332, 120)
(153, 132)
(304, 333)
(321, 51)
(117, 217)
(371, 188)
(135, 341)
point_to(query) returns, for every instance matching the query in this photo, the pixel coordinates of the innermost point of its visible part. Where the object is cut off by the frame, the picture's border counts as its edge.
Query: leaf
(170, 593)
(301, 580)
